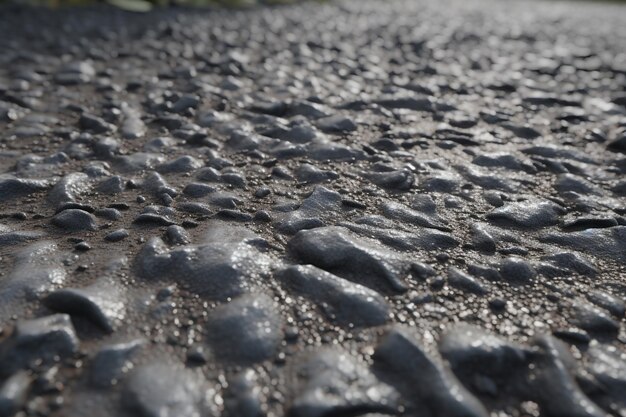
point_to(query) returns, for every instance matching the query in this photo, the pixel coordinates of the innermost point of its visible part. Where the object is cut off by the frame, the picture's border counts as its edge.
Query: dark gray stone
(116, 235)
(338, 250)
(465, 282)
(162, 389)
(430, 384)
(342, 301)
(225, 265)
(75, 220)
(112, 362)
(526, 214)
(13, 393)
(45, 339)
(102, 303)
(331, 382)
(246, 330)
(11, 187)
(517, 271)
(336, 124)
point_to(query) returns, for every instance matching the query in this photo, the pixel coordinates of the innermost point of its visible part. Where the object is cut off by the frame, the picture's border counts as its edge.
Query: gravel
(355, 208)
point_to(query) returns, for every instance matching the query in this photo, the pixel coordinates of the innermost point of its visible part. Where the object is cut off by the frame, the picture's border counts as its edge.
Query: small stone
(110, 364)
(262, 192)
(177, 235)
(164, 389)
(573, 335)
(11, 188)
(69, 189)
(592, 319)
(394, 180)
(336, 124)
(554, 387)
(109, 214)
(482, 239)
(45, 339)
(103, 303)
(82, 246)
(13, 393)
(95, 124)
(461, 280)
(112, 185)
(310, 174)
(470, 349)
(432, 385)
(197, 355)
(331, 382)
(263, 216)
(185, 163)
(342, 301)
(527, 214)
(228, 261)
(246, 330)
(243, 395)
(604, 243)
(75, 220)
(117, 235)
(497, 304)
(153, 219)
(573, 262)
(607, 364)
(611, 303)
(517, 271)
(338, 250)
(198, 190)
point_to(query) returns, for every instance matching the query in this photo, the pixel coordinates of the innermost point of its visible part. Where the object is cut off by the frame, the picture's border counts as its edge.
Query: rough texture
(343, 208)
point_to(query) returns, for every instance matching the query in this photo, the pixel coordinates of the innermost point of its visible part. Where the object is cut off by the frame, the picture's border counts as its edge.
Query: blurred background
(147, 5)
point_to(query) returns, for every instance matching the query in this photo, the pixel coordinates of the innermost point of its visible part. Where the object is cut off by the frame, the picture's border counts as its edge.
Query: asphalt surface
(360, 208)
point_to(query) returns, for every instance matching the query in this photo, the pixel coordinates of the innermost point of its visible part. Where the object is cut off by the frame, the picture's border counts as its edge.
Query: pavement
(354, 208)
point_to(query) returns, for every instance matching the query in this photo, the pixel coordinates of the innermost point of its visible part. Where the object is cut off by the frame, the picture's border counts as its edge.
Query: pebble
(527, 214)
(609, 302)
(246, 330)
(314, 210)
(394, 180)
(606, 243)
(198, 190)
(342, 301)
(69, 189)
(95, 124)
(555, 388)
(336, 124)
(221, 267)
(44, 339)
(606, 364)
(243, 395)
(594, 320)
(177, 235)
(465, 282)
(471, 349)
(164, 389)
(433, 386)
(117, 235)
(112, 362)
(336, 249)
(37, 268)
(75, 220)
(517, 271)
(11, 187)
(331, 381)
(102, 303)
(14, 392)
